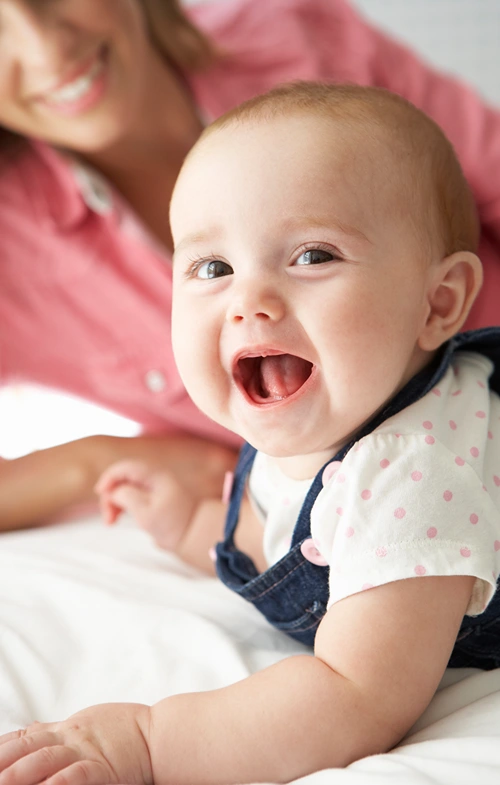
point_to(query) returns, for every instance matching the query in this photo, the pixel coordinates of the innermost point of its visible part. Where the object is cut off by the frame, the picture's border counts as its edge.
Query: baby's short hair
(435, 193)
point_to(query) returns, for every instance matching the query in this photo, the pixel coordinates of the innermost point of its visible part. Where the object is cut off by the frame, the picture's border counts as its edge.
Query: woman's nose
(38, 34)
(254, 302)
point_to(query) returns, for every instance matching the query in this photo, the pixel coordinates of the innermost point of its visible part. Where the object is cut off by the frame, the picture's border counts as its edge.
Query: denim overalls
(293, 593)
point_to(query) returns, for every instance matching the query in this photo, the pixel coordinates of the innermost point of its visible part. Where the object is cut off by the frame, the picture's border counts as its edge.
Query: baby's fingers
(83, 772)
(33, 759)
(110, 512)
(18, 743)
(13, 734)
(135, 472)
(133, 500)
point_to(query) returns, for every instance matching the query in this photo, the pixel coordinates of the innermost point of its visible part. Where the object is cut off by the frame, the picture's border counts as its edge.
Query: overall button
(155, 381)
(311, 553)
(329, 470)
(227, 487)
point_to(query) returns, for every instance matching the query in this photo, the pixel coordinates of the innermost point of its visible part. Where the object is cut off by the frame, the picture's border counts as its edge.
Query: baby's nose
(256, 303)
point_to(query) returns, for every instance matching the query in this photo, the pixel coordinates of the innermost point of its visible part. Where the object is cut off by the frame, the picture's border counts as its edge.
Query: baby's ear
(454, 284)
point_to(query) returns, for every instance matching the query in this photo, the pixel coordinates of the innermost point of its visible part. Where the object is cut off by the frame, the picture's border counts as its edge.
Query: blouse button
(94, 190)
(311, 553)
(155, 381)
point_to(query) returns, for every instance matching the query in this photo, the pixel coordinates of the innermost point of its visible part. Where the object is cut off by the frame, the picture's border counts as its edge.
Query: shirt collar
(65, 191)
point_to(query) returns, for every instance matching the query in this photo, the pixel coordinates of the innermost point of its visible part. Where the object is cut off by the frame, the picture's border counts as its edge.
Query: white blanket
(91, 614)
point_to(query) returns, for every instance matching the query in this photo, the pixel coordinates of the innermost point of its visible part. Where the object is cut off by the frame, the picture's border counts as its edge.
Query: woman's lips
(270, 378)
(82, 91)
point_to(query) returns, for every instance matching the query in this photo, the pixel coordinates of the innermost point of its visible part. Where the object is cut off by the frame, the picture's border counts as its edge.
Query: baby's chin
(301, 466)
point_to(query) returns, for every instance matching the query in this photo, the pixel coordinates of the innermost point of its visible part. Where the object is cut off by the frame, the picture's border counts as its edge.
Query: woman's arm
(39, 486)
(379, 656)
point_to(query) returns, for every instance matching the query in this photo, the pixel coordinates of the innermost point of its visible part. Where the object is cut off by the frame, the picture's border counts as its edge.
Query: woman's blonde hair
(172, 33)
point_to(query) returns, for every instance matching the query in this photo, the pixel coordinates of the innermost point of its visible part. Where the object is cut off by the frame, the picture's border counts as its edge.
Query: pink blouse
(85, 293)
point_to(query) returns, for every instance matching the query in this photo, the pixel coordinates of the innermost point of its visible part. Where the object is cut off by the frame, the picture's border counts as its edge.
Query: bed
(90, 613)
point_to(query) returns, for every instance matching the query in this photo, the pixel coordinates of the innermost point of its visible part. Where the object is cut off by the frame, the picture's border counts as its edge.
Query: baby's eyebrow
(196, 238)
(327, 222)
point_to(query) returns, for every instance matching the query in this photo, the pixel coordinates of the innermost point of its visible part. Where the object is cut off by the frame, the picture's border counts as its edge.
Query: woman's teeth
(78, 88)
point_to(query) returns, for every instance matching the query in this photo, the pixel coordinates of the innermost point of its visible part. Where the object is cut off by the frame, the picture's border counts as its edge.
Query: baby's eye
(315, 256)
(213, 269)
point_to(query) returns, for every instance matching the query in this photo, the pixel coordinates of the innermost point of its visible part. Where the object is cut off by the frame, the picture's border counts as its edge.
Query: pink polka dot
(416, 476)
(465, 552)
(366, 494)
(459, 461)
(349, 531)
(397, 435)
(286, 501)
(473, 518)
(432, 532)
(485, 488)
(496, 480)
(481, 384)
(437, 391)
(340, 511)
(366, 586)
(490, 435)
(474, 452)
(497, 545)
(447, 496)
(429, 440)
(427, 425)
(419, 570)
(329, 471)
(399, 512)
(457, 392)
(340, 477)
(481, 414)
(384, 463)
(381, 552)
(453, 425)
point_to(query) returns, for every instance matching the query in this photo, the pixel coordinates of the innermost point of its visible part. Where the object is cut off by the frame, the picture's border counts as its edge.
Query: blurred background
(461, 37)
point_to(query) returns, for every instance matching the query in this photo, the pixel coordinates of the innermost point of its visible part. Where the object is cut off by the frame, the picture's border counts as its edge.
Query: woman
(112, 96)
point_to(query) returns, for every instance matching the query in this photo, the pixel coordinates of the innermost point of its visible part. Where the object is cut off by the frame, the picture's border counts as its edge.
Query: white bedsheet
(91, 614)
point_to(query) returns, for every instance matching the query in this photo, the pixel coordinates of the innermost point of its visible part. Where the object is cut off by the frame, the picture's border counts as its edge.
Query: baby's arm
(190, 528)
(378, 660)
(379, 657)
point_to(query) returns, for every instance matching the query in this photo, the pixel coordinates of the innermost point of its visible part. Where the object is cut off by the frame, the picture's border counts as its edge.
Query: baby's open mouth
(272, 378)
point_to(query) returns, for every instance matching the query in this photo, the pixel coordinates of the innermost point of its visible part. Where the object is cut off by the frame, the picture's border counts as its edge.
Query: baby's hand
(155, 498)
(100, 745)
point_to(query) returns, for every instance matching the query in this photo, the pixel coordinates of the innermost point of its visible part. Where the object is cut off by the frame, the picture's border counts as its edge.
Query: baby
(324, 264)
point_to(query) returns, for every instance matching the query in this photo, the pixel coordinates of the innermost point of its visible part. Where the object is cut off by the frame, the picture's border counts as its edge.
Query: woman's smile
(80, 91)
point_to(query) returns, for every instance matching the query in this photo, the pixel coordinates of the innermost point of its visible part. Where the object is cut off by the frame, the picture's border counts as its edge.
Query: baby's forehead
(294, 145)
(291, 155)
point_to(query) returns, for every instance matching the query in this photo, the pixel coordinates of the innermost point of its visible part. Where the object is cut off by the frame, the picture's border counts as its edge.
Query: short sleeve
(406, 506)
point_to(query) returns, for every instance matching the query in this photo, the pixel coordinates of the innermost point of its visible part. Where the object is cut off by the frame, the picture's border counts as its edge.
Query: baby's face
(299, 285)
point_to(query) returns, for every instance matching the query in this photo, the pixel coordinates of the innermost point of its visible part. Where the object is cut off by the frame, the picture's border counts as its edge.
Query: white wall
(459, 36)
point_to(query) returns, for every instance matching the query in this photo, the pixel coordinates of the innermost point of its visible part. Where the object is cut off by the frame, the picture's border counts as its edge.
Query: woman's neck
(144, 163)
(165, 126)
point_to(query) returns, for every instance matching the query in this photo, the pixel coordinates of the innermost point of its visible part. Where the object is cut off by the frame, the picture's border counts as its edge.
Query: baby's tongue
(282, 374)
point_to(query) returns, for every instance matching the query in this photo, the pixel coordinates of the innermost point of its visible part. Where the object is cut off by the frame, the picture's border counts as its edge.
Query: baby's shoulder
(459, 409)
